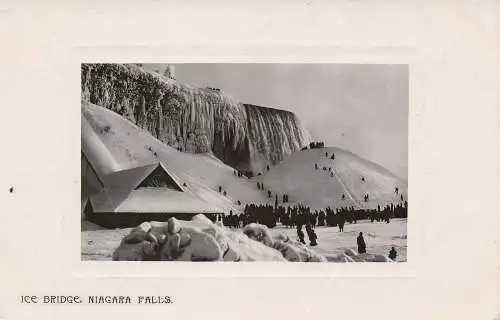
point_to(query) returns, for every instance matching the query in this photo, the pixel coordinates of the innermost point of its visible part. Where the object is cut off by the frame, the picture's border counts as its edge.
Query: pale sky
(361, 108)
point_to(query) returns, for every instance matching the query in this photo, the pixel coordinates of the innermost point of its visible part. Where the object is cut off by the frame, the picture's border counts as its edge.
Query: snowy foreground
(202, 240)
(379, 238)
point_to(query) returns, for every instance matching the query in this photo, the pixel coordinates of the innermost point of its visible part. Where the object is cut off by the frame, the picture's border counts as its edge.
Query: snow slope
(131, 146)
(296, 175)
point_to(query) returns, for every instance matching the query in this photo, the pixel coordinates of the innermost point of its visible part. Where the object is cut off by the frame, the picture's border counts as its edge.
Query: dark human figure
(267, 167)
(316, 166)
(258, 185)
(361, 243)
(321, 218)
(393, 254)
(333, 156)
(312, 235)
(220, 189)
(269, 193)
(341, 224)
(225, 193)
(343, 196)
(402, 198)
(326, 154)
(396, 190)
(300, 234)
(314, 220)
(239, 202)
(363, 179)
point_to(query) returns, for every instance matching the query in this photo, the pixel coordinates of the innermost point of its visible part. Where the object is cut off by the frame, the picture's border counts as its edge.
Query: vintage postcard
(320, 160)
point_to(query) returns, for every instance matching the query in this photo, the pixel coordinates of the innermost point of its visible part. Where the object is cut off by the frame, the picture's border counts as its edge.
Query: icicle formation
(275, 133)
(191, 119)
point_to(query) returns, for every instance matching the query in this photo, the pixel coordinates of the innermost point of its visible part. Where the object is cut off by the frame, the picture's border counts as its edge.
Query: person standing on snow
(300, 234)
(361, 243)
(393, 254)
(311, 235)
(341, 221)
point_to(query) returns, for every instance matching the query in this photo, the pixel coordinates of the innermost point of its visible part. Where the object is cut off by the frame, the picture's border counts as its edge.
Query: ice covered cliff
(194, 120)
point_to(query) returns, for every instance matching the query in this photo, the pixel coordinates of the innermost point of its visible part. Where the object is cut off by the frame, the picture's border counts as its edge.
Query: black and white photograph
(244, 162)
(277, 144)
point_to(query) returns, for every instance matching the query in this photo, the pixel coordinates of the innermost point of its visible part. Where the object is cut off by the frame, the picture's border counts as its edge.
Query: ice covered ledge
(245, 136)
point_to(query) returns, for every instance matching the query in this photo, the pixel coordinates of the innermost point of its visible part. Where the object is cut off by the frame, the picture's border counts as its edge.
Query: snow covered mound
(202, 240)
(334, 177)
(290, 249)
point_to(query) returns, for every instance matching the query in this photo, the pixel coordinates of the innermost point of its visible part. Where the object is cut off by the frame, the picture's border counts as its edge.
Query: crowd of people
(315, 145)
(299, 215)
(254, 213)
(247, 174)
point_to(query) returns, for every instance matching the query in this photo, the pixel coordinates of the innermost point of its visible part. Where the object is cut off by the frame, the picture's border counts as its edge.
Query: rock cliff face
(194, 120)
